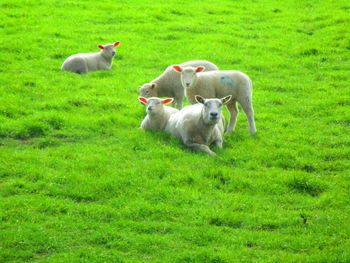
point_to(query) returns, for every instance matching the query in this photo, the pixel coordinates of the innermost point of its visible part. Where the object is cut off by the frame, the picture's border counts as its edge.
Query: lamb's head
(109, 50)
(148, 90)
(211, 112)
(188, 75)
(154, 105)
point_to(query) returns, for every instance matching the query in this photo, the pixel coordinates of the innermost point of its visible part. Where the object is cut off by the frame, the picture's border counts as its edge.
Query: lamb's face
(154, 106)
(211, 111)
(148, 90)
(188, 75)
(109, 50)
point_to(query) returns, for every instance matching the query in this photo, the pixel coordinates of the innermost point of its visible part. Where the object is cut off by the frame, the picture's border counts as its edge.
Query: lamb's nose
(188, 84)
(214, 114)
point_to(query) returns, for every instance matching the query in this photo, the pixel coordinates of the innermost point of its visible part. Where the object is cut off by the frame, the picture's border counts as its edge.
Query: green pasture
(80, 182)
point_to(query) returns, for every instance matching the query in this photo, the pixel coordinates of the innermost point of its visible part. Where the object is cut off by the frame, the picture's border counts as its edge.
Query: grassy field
(79, 182)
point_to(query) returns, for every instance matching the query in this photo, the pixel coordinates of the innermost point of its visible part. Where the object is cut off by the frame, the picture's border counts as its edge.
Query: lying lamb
(217, 84)
(200, 125)
(85, 62)
(168, 84)
(157, 114)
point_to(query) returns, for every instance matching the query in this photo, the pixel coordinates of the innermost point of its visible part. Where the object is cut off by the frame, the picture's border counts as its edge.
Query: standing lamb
(200, 125)
(84, 62)
(168, 84)
(217, 84)
(157, 114)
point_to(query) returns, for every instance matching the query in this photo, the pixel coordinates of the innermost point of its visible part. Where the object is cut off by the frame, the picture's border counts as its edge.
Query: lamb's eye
(146, 91)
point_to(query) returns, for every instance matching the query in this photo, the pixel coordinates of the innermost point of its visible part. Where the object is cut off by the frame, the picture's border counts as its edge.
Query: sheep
(157, 114)
(199, 125)
(85, 62)
(217, 84)
(168, 84)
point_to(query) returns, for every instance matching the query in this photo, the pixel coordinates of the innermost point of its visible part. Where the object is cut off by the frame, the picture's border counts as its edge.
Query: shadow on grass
(307, 185)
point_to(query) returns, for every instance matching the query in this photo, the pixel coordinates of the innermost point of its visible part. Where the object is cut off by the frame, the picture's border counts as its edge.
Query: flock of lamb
(206, 87)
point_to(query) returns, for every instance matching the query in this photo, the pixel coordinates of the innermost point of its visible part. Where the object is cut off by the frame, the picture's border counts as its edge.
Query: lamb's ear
(177, 68)
(142, 100)
(166, 101)
(100, 47)
(199, 99)
(200, 69)
(226, 99)
(116, 43)
(153, 85)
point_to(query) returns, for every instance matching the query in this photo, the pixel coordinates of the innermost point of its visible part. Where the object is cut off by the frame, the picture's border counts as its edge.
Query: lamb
(157, 114)
(199, 125)
(85, 62)
(217, 84)
(168, 84)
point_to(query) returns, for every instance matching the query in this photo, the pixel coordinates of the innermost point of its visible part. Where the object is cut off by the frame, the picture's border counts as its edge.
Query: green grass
(79, 182)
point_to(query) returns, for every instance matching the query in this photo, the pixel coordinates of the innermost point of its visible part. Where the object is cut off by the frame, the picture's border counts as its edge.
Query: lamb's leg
(217, 136)
(80, 67)
(179, 101)
(200, 147)
(249, 111)
(218, 143)
(232, 108)
(85, 69)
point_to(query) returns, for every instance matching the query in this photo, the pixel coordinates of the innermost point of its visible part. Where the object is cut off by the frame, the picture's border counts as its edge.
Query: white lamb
(84, 62)
(168, 84)
(199, 125)
(217, 84)
(157, 114)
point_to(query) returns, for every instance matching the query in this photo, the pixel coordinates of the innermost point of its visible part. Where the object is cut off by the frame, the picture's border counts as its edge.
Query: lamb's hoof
(252, 132)
(218, 145)
(211, 153)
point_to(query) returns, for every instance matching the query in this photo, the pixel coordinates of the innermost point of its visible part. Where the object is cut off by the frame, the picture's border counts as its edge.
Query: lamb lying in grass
(85, 62)
(168, 84)
(217, 84)
(157, 114)
(200, 125)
